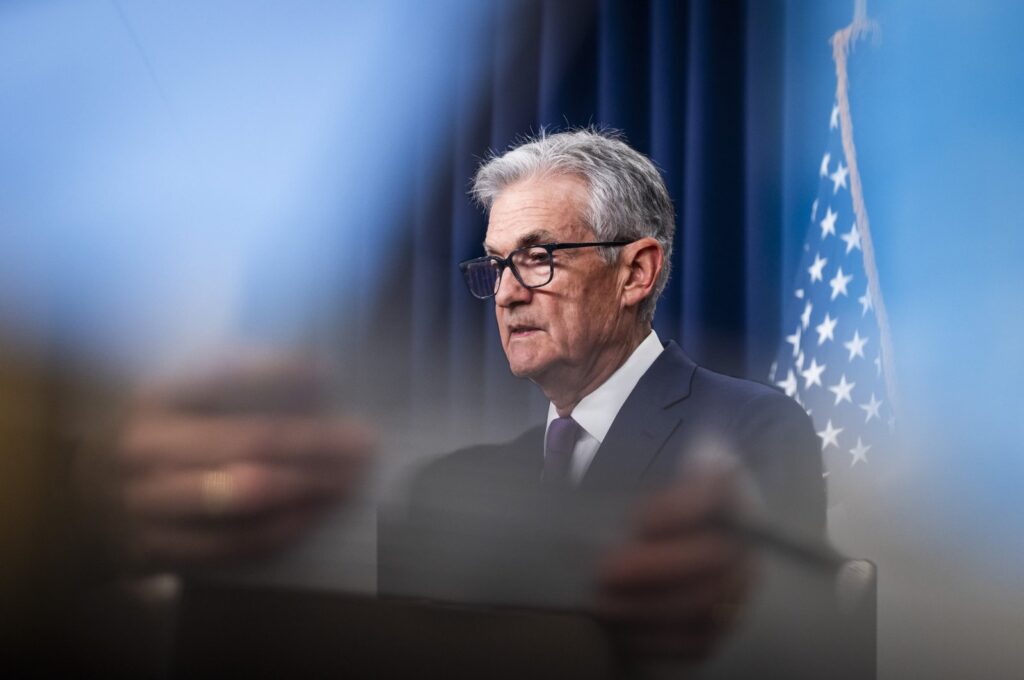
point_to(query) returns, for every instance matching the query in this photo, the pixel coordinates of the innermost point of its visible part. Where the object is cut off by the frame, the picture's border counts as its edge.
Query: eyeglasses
(533, 266)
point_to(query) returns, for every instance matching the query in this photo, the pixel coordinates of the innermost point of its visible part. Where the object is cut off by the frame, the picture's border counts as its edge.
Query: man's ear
(643, 261)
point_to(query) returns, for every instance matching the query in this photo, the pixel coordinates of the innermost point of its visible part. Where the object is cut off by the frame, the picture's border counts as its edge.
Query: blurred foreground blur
(108, 487)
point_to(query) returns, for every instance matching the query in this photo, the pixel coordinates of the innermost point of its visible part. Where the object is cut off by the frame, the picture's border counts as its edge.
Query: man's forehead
(536, 211)
(501, 242)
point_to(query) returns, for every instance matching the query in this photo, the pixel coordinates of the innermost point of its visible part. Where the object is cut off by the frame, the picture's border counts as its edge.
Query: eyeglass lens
(532, 264)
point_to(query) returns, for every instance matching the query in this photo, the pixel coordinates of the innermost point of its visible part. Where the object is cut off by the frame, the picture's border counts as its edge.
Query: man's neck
(566, 396)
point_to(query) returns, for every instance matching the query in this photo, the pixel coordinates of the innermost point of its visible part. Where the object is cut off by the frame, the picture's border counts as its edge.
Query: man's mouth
(521, 331)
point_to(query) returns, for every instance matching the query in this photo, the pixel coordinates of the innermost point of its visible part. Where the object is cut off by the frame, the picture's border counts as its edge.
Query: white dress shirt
(596, 411)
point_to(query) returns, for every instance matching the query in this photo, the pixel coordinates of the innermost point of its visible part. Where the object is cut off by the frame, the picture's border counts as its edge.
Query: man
(577, 249)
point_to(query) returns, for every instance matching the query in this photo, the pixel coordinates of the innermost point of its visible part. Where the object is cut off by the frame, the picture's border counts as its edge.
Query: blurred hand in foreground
(677, 585)
(234, 465)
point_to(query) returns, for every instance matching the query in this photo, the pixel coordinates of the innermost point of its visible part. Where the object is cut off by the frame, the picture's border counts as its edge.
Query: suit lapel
(650, 415)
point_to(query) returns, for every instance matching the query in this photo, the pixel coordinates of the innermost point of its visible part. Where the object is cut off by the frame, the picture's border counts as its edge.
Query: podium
(236, 630)
(226, 629)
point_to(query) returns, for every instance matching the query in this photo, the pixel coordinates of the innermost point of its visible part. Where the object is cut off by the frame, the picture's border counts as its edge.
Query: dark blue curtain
(698, 87)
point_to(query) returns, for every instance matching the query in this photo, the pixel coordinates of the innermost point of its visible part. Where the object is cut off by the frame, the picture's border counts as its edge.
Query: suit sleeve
(783, 453)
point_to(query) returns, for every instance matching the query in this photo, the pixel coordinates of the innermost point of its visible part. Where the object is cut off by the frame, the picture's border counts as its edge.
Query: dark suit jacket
(675, 409)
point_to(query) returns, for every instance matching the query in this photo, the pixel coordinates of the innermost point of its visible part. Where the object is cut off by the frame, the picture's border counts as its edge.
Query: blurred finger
(217, 440)
(688, 504)
(235, 490)
(658, 564)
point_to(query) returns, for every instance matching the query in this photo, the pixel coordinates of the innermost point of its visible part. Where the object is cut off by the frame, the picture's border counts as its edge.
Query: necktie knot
(561, 440)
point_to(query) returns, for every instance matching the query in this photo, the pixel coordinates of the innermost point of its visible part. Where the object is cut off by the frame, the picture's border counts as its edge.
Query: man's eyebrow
(528, 239)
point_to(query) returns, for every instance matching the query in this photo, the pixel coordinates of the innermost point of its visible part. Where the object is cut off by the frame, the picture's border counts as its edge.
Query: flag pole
(842, 41)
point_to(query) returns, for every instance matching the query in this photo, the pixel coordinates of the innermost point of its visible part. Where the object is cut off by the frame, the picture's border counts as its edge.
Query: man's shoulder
(723, 394)
(741, 392)
(768, 431)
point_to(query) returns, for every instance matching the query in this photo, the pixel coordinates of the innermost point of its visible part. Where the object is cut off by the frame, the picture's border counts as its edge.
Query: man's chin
(524, 367)
(522, 371)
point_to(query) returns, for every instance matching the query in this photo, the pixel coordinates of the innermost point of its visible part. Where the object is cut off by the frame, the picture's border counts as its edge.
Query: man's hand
(232, 467)
(679, 582)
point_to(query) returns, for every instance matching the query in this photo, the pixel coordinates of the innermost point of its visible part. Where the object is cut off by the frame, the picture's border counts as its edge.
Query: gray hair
(628, 197)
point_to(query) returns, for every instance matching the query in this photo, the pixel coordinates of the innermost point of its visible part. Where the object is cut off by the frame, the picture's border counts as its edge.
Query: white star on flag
(828, 224)
(815, 269)
(795, 341)
(839, 177)
(856, 345)
(833, 121)
(852, 239)
(871, 408)
(789, 384)
(826, 329)
(865, 302)
(830, 436)
(812, 374)
(805, 318)
(838, 283)
(824, 165)
(859, 452)
(842, 390)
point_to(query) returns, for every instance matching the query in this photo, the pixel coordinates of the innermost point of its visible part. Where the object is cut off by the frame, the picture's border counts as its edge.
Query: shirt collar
(596, 411)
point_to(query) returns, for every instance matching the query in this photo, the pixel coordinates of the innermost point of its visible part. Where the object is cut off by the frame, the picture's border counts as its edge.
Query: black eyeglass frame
(506, 262)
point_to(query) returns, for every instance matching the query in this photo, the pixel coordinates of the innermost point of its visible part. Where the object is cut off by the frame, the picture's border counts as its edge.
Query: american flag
(831, 357)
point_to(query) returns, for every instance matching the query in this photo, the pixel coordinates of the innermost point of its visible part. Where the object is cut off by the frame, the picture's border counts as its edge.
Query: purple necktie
(562, 433)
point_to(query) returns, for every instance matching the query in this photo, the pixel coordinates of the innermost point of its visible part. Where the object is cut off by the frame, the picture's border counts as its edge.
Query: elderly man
(577, 253)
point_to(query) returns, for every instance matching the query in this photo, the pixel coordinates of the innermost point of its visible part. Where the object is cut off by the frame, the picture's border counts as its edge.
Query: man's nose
(510, 291)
